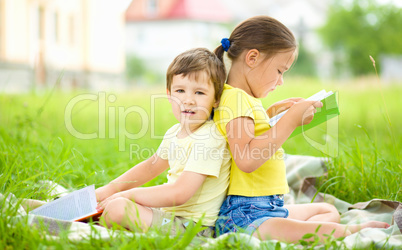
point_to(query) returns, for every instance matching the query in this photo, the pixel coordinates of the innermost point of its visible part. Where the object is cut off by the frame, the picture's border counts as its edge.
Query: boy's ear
(216, 104)
(168, 95)
(252, 57)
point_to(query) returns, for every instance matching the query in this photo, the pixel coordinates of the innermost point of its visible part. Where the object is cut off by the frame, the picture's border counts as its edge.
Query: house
(391, 66)
(302, 17)
(80, 40)
(157, 31)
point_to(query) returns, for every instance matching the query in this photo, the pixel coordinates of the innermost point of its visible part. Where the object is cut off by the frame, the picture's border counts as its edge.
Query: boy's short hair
(195, 61)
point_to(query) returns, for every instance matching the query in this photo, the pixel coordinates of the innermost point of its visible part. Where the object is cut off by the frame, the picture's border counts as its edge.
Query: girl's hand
(303, 112)
(281, 106)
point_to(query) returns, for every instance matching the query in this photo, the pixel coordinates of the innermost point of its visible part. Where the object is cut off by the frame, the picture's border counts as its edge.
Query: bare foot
(370, 224)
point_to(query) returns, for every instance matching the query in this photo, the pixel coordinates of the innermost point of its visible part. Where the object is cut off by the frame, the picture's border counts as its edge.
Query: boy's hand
(281, 106)
(103, 192)
(102, 204)
(303, 112)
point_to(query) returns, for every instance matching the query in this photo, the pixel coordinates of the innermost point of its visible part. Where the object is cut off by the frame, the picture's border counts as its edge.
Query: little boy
(193, 149)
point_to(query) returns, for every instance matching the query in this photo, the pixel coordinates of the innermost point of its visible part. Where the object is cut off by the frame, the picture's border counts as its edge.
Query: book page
(73, 206)
(328, 111)
(316, 97)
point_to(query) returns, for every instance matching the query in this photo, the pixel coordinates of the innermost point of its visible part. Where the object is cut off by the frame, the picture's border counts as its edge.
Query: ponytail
(219, 51)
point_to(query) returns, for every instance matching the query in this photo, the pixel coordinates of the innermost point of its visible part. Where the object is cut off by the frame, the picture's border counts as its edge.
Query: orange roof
(204, 10)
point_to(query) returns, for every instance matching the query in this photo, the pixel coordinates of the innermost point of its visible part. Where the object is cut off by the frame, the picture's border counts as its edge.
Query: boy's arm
(135, 177)
(250, 151)
(166, 195)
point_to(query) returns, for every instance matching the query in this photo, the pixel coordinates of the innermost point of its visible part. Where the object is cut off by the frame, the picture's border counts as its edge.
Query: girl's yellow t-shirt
(268, 179)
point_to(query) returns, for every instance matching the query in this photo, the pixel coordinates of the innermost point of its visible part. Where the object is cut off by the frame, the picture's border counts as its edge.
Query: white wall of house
(13, 37)
(81, 38)
(159, 42)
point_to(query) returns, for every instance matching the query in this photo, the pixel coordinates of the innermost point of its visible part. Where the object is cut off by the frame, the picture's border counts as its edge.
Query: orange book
(93, 217)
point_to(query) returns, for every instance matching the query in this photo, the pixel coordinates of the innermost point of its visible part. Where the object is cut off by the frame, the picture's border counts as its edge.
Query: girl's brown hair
(264, 33)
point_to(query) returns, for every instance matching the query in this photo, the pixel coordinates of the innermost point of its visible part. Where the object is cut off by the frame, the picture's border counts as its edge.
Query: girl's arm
(250, 151)
(135, 177)
(166, 195)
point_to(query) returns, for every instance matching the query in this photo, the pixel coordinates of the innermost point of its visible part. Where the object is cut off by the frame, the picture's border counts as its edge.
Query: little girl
(261, 50)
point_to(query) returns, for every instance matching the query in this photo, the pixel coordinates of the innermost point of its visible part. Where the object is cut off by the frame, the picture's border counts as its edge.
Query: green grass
(35, 145)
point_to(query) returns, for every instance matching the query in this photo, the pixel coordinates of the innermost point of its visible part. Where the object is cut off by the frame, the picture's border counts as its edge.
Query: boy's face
(192, 99)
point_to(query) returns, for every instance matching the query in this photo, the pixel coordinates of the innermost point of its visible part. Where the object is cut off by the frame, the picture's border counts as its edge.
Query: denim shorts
(246, 214)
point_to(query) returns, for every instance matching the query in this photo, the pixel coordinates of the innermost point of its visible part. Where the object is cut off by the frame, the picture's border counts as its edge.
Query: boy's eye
(180, 91)
(199, 93)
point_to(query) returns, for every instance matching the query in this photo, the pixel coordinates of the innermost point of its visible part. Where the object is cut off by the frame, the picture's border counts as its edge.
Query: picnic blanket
(302, 172)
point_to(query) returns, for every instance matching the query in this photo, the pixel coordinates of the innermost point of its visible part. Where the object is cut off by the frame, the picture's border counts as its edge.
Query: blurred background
(102, 45)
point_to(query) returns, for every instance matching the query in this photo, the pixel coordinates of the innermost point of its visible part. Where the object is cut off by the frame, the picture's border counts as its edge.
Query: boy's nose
(188, 100)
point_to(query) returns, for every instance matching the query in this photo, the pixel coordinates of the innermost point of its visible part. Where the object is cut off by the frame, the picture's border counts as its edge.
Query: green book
(328, 111)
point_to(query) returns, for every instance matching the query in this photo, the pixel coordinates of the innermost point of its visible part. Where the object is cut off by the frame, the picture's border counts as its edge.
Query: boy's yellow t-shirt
(268, 179)
(203, 152)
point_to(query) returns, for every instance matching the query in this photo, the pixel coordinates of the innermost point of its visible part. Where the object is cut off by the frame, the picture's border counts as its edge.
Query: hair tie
(225, 44)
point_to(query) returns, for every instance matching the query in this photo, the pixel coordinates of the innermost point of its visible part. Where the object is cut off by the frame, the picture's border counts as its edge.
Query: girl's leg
(323, 212)
(291, 231)
(127, 214)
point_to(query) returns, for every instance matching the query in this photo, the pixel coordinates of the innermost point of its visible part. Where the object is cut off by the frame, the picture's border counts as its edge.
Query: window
(56, 23)
(71, 29)
(151, 7)
(41, 23)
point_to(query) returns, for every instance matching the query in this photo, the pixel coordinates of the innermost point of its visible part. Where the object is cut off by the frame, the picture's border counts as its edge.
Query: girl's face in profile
(268, 74)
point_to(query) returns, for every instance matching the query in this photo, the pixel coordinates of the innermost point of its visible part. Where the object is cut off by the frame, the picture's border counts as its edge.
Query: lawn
(78, 139)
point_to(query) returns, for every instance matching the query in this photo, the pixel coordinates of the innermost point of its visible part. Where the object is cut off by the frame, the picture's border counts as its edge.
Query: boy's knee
(115, 210)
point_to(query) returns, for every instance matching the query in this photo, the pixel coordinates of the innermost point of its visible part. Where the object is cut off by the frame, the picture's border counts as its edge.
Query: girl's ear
(252, 57)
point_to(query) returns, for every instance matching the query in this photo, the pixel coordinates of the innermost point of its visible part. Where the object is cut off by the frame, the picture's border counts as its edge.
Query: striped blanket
(302, 172)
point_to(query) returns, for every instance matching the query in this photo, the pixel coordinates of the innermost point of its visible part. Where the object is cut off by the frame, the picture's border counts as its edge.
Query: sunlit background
(122, 44)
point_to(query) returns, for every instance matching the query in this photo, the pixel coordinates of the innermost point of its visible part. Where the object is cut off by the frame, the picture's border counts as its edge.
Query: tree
(360, 29)
(305, 65)
(135, 67)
